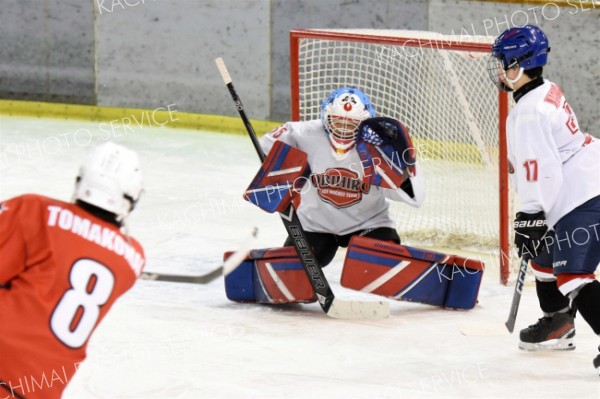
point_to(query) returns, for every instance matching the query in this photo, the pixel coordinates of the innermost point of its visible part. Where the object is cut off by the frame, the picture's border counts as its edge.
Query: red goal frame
(297, 35)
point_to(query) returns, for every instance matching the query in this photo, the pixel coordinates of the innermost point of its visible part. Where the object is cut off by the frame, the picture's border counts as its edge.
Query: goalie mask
(526, 47)
(341, 112)
(110, 179)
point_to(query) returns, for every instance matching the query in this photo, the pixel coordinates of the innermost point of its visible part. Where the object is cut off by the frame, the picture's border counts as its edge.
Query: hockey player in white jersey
(335, 203)
(339, 172)
(555, 170)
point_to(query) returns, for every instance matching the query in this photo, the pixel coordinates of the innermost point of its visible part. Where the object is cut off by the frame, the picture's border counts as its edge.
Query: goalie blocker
(280, 179)
(276, 276)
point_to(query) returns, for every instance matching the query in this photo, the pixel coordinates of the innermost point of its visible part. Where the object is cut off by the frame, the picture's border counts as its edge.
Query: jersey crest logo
(339, 187)
(3, 207)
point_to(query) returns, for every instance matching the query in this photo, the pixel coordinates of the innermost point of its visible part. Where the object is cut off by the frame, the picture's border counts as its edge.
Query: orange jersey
(61, 269)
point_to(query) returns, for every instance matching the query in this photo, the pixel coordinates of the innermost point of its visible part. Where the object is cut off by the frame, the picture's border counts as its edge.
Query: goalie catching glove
(530, 229)
(280, 179)
(386, 151)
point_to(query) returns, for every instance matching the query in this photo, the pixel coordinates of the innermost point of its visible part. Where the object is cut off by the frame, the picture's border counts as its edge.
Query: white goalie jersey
(336, 199)
(554, 167)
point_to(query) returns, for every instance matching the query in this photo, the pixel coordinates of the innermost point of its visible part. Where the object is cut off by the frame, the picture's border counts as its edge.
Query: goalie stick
(228, 266)
(332, 306)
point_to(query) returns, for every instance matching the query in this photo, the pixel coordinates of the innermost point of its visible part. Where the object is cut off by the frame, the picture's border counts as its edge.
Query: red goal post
(438, 86)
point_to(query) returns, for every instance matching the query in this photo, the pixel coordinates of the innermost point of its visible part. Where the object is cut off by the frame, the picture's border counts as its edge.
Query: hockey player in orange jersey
(62, 266)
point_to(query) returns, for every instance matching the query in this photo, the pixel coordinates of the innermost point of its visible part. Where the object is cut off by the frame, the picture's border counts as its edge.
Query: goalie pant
(399, 272)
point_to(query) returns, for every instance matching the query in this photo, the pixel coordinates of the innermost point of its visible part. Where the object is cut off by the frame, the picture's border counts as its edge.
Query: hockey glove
(280, 179)
(530, 229)
(383, 130)
(386, 152)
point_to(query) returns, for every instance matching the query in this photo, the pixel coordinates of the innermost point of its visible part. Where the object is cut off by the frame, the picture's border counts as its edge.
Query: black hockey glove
(530, 229)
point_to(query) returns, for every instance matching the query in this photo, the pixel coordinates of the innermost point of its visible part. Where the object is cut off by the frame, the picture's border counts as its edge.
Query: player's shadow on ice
(287, 309)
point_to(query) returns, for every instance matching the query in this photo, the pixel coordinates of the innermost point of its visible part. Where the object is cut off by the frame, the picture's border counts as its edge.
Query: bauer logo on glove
(280, 179)
(530, 229)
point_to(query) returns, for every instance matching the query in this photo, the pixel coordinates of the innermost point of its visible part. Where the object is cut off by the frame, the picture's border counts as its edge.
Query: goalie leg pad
(464, 283)
(239, 284)
(273, 276)
(411, 274)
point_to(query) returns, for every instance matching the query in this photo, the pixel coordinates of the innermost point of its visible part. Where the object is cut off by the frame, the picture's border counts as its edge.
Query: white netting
(445, 98)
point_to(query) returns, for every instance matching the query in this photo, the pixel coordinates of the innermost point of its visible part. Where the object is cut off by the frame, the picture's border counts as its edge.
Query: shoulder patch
(554, 95)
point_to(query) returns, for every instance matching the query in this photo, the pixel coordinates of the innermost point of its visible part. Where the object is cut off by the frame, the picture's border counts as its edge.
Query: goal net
(438, 87)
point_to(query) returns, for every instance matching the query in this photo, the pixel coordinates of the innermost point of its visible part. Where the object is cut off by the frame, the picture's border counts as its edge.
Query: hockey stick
(228, 266)
(514, 307)
(178, 278)
(332, 306)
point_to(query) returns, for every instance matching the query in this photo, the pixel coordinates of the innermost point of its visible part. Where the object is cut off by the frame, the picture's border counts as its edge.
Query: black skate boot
(550, 334)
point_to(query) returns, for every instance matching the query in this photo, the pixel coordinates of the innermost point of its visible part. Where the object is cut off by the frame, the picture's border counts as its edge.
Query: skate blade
(552, 345)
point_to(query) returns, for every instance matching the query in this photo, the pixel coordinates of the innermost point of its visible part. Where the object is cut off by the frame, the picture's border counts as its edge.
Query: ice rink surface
(167, 340)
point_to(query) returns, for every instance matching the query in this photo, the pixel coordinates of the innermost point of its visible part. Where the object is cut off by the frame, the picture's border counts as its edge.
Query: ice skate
(554, 333)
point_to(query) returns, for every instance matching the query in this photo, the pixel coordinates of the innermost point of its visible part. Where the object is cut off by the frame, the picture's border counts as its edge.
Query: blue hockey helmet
(341, 113)
(525, 46)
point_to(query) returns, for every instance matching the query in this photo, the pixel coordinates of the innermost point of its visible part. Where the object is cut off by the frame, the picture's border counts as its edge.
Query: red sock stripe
(562, 279)
(541, 269)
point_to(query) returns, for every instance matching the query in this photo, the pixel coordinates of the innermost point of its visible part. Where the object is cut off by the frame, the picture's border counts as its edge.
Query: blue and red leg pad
(411, 274)
(273, 275)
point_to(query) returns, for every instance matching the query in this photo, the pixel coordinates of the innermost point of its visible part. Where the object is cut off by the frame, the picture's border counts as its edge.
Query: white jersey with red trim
(554, 166)
(336, 200)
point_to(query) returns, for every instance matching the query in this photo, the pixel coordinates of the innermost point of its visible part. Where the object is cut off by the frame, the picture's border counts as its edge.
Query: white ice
(166, 340)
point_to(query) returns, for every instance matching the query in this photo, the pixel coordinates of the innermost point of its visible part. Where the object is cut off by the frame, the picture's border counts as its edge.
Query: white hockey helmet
(341, 112)
(110, 178)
